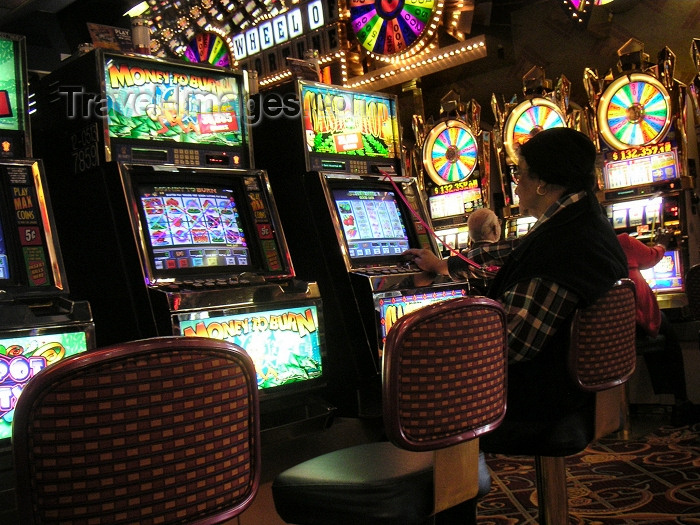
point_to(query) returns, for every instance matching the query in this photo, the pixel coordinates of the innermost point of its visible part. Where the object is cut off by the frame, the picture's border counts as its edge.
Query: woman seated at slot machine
(568, 259)
(666, 368)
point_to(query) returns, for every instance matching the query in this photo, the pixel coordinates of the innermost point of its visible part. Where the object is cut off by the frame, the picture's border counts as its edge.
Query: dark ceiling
(55, 27)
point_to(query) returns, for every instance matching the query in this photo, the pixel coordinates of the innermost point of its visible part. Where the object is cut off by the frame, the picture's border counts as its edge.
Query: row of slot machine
(185, 205)
(175, 202)
(637, 118)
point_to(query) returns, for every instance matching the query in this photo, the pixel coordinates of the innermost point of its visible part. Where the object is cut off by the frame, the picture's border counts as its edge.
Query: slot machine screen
(152, 102)
(194, 228)
(375, 225)
(24, 356)
(343, 126)
(14, 124)
(667, 275)
(285, 343)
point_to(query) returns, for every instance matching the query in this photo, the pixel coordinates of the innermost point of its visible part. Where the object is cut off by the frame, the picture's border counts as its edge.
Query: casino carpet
(652, 479)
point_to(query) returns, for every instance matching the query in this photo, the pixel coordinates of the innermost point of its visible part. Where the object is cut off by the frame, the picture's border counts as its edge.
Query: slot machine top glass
(349, 131)
(141, 109)
(14, 122)
(152, 103)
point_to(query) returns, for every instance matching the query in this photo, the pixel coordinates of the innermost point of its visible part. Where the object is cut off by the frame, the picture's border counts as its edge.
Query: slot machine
(456, 159)
(335, 159)
(542, 108)
(40, 324)
(641, 121)
(173, 232)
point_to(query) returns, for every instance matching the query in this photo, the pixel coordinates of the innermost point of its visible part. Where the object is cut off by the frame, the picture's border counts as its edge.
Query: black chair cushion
(375, 483)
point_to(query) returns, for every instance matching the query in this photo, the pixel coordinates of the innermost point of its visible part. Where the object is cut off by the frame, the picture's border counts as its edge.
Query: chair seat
(375, 483)
(347, 487)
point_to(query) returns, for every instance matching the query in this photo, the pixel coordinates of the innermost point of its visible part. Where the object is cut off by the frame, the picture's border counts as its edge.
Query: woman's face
(526, 190)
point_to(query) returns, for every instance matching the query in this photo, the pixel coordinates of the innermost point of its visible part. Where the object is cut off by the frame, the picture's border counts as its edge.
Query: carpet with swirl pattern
(654, 479)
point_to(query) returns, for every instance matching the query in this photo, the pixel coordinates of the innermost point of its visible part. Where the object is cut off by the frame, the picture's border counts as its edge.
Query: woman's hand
(426, 260)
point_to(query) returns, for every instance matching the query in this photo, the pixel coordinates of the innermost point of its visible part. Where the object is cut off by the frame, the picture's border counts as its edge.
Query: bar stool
(443, 386)
(601, 358)
(161, 430)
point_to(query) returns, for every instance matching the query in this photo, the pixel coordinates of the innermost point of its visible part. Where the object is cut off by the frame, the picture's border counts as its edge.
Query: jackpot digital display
(193, 227)
(284, 343)
(344, 122)
(642, 165)
(22, 357)
(455, 203)
(162, 102)
(372, 223)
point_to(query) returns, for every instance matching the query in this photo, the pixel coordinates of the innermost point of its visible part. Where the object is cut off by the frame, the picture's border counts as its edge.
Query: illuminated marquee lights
(324, 60)
(410, 65)
(278, 30)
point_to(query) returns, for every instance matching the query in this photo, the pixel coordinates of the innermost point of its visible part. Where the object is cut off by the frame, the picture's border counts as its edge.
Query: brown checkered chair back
(603, 352)
(692, 291)
(163, 430)
(445, 374)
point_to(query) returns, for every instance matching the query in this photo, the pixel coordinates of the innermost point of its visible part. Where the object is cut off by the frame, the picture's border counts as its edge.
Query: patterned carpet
(654, 479)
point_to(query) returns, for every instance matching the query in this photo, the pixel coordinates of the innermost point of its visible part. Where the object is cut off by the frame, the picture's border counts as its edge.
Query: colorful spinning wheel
(208, 48)
(450, 152)
(635, 110)
(394, 27)
(528, 118)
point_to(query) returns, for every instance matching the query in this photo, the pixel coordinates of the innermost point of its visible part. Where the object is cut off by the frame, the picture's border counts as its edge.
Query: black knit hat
(561, 156)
